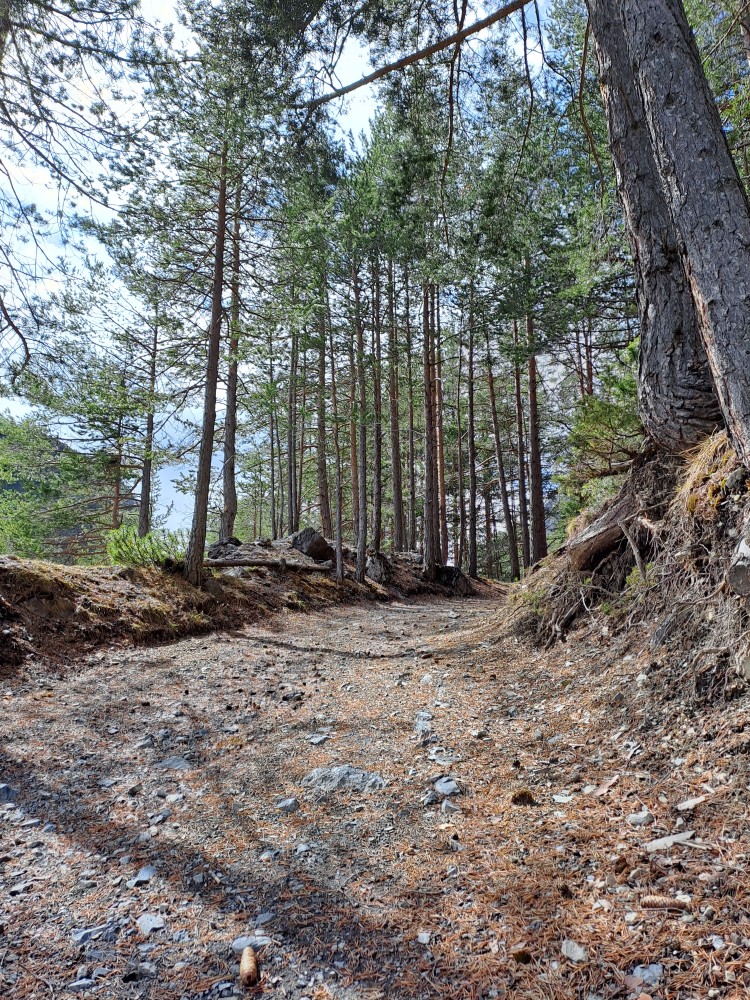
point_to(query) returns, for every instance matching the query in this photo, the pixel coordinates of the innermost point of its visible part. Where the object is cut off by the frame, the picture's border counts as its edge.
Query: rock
(378, 568)
(86, 934)
(311, 543)
(174, 764)
(225, 548)
(689, 804)
(148, 922)
(344, 777)
(738, 574)
(7, 794)
(288, 805)
(249, 941)
(642, 818)
(264, 918)
(143, 877)
(319, 739)
(451, 576)
(447, 786)
(736, 480)
(81, 984)
(449, 807)
(650, 975)
(424, 937)
(575, 952)
(664, 843)
(426, 680)
(422, 723)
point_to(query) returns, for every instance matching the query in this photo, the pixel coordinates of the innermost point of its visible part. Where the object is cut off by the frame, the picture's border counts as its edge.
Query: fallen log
(279, 564)
(603, 534)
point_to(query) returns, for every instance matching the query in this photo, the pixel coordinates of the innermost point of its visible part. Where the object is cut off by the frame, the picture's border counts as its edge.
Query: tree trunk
(197, 542)
(377, 454)
(291, 431)
(412, 540)
(229, 511)
(353, 441)
(472, 457)
(510, 528)
(440, 441)
(339, 536)
(431, 543)
(362, 427)
(399, 526)
(144, 512)
(536, 483)
(460, 457)
(523, 509)
(487, 496)
(322, 463)
(300, 466)
(678, 404)
(271, 438)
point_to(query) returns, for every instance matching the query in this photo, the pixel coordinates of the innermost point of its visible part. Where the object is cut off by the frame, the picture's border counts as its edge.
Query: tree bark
(339, 537)
(197, 543)
(677, 401)
(377, 454)
(440, 433)
(399, 526)
(291, 431)
(229, 511)
(431, 543)
(461, 500)
(144, 512)
(472, 448)
(536, 482)
(362, 429)
(322, 463)
(510, 528)
(523, 508)
(412, 540)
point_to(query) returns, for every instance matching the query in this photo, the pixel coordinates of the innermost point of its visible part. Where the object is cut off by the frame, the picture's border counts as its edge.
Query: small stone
(642, 818)
(174, 764)
(142, 878)
(446, 786)
(86, 934)
(264, 918)
(149, 922)
(427, 679)
(575, 952)
(7, 794)
(29, 824)
(450, 808)
(424, 937)
(422, 723)
(80, 985)
(288, 805)
(250, 941)
(318, 739)
(302, 849)
(631, 919)
(650, 975)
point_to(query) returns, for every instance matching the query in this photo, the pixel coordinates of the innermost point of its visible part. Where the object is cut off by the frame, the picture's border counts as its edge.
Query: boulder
(312, 544)
(453, 577)
(378, 568)
(323, 781)
(738, 574)
(225, 548)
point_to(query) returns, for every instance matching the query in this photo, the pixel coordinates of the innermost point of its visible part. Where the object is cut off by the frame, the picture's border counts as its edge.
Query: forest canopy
(447, 333)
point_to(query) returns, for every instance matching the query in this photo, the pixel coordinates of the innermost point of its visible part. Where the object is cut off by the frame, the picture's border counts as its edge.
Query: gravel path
(166, 807)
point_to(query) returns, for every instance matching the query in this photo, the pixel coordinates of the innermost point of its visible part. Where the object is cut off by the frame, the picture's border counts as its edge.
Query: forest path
(175, 759)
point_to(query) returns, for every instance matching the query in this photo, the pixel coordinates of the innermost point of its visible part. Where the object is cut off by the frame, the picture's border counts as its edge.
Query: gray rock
(447, 786)
(225, 548)
(86, 934)
(422, 723)
(7, 794)
(264, 918)
(643, 818)
(311, 543)
(143, 877)
(649, 974)
(574, 951)
(319, 739)
(250, 941)
(378, 568)
(174, 764)
(738, 574)
(80, 985)
(324, 781)
(449, 807)
(288, 805)
(148, 922)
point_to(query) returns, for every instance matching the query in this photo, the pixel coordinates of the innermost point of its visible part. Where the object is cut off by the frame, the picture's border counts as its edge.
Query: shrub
(158, 548)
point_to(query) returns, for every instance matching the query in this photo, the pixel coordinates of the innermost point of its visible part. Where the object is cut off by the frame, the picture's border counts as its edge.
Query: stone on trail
(225, 548)
(311, 543)
(575, 952)
(288, 805)
(249, 941)
(143, 877)
(342, 778)
(447, 786)
(86, 934)
(378, 568)
(642, 818)
(422, 723)
(174, 764)
(148, 922)
(7, 794)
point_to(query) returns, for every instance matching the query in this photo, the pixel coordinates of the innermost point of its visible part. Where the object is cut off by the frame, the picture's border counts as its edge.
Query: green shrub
(126, 548)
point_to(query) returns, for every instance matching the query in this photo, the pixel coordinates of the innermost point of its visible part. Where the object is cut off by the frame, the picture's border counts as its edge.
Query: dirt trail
(520, 874)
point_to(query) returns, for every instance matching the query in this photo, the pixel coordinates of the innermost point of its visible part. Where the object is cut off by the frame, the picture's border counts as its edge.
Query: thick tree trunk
(431, 542)
(460, 457)
(354, 475)
(377, 453)
(229, 511)
(678, 404)
(536, 483)
(144, 512)
(399, 526)
(197, 542)
(322, 463)
(271, 439)
(339, 536)
(291, 432)
(362, 428)
(488, 538)
(510, 528)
